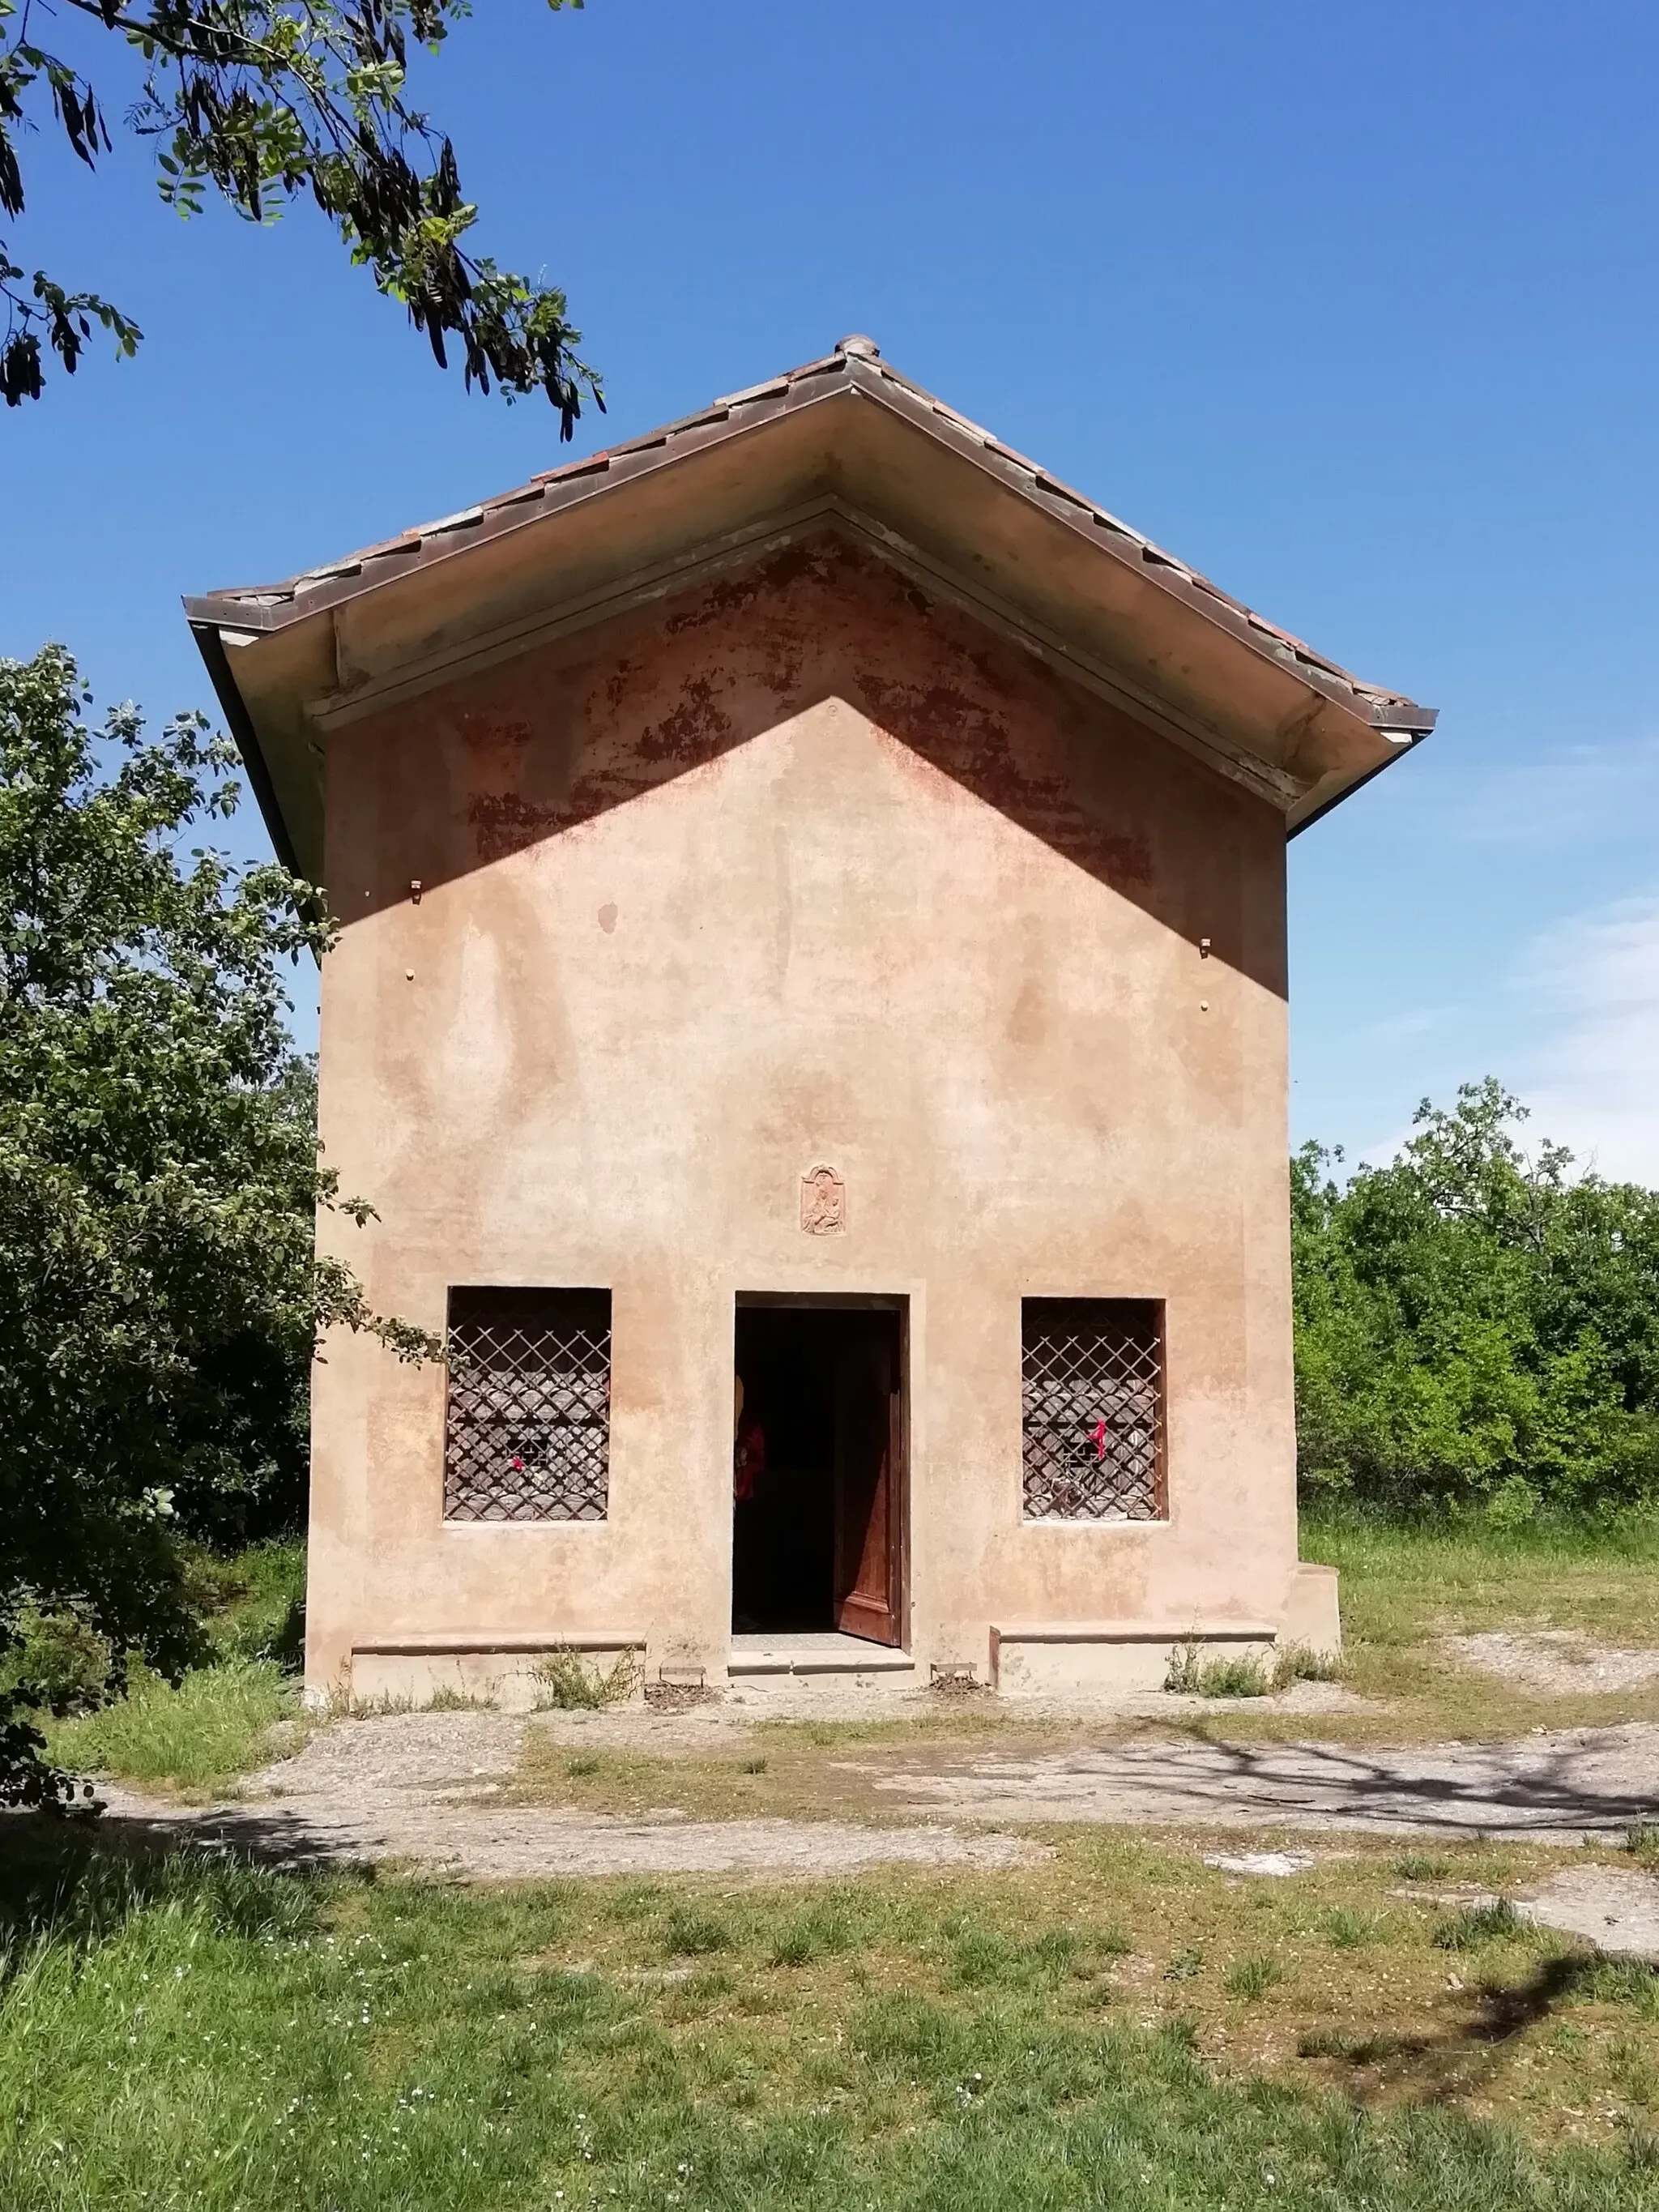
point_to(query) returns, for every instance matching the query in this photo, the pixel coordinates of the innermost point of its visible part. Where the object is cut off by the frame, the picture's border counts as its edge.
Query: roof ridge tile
(855, 370)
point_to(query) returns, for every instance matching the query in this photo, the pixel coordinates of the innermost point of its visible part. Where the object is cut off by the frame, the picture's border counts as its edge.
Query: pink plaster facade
(800, 865)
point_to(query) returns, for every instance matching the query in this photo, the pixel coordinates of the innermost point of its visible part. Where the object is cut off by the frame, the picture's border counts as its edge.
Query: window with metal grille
(1091, 1406)
(527, 1428)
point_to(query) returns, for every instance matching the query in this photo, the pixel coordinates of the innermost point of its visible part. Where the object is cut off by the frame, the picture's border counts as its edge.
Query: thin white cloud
(1411, 1022)
(1595, 1085)
(1577, 792)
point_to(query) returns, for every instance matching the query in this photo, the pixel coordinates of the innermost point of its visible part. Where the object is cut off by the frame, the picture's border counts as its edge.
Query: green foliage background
(159, 1180)
(1474, 1329)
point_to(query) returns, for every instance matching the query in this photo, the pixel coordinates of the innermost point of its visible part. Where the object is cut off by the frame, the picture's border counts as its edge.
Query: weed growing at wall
(567, 1682)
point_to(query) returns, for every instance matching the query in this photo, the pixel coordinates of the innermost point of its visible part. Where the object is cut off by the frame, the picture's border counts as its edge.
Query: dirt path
(420, 1786)
(430, 1788)
(1551, 1788)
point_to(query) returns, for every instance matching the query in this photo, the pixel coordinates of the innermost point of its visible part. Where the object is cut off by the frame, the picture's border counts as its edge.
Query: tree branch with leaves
(264, 104)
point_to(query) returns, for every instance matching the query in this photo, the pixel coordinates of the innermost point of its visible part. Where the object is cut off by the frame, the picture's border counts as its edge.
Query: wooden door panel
(869, 1484)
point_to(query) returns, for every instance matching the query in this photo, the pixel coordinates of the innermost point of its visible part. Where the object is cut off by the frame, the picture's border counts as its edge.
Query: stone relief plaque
(823, 1202)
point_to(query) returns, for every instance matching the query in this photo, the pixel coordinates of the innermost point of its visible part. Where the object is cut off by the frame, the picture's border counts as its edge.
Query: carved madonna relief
(823, 1202)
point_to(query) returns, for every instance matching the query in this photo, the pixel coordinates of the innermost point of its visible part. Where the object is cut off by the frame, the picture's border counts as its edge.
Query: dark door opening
(818, 1538)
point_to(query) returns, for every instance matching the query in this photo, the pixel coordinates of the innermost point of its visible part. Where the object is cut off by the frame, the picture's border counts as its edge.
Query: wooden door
(870, 1486)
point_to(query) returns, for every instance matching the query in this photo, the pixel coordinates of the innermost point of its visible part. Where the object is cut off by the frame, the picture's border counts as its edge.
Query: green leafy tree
(261, 102)
(1475, 1327)
(159, 1177)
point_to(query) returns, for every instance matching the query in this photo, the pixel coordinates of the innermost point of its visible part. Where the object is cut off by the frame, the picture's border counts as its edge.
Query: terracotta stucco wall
(795, 869)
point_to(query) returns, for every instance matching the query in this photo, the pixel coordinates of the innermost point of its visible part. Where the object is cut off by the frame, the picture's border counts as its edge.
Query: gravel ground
(545, 1845)
(419, 1787)
(1615, 1909)
(1551, 1788)
(1560, 1660)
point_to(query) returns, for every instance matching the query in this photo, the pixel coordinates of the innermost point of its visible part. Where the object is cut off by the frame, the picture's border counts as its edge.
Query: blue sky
(1356, 309)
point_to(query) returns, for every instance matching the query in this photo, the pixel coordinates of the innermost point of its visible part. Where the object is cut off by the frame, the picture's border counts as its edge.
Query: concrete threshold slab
(827, 1653)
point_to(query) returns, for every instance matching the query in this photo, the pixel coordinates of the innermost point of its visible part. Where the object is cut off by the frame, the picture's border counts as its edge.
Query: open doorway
(818, 1522)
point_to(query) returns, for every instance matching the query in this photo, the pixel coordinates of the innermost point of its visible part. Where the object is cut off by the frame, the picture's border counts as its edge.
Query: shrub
(57, 1662)
(565, 1682)
(159, 1182)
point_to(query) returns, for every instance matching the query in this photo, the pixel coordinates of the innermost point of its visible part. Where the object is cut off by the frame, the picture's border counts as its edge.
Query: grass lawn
(1404, 1590)
(1123, 2025)
(192, 1739)
(1119, 2025)
(1398, 1580)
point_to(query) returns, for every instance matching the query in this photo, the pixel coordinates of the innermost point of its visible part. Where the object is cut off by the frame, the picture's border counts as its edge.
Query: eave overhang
(844, 444)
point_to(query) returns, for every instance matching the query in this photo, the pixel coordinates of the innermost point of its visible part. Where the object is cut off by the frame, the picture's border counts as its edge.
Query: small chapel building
(810, 1014)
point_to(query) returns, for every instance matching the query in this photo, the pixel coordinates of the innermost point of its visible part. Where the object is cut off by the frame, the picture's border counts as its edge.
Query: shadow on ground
(432, 1789)
(1591, 1782)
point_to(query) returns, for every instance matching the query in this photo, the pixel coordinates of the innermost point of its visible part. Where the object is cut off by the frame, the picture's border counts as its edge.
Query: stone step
(827, 1653)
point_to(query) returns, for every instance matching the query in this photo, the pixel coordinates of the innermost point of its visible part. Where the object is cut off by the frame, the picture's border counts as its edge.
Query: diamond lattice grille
(1092, 1409)
(527, 1436)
